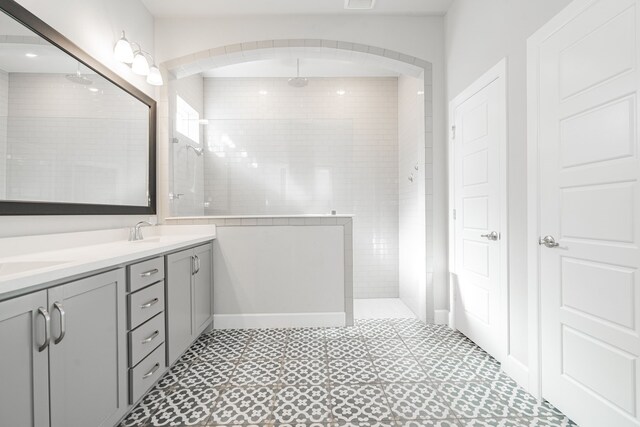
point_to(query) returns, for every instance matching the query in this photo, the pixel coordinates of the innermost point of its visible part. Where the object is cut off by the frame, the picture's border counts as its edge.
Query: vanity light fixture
(154, 78)
(341, 92)
(140, 65)
(131, 53)
(123, 50)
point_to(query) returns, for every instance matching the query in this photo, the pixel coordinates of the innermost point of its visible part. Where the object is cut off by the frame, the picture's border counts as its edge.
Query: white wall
(94, 25)
(478, 35)
(412, 195)
(282, 270)
(309, 151)
(421, 37)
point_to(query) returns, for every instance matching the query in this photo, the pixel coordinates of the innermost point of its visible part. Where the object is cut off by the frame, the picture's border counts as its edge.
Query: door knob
(548, 241)
(491, 236)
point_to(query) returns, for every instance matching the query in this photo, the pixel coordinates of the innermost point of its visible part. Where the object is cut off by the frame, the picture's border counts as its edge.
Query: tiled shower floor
(395, 372)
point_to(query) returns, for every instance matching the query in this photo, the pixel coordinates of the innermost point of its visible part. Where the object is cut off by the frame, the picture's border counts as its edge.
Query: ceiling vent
(359, 4)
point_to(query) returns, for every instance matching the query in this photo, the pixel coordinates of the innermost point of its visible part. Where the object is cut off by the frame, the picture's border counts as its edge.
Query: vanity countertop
(30, 263)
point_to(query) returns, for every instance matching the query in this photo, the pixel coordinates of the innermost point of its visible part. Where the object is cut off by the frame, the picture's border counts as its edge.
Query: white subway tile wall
(4, 111)
(274, 149)
(69, 144)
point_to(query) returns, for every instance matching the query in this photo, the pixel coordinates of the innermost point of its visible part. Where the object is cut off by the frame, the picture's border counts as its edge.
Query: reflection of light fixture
(138, 59)
(420, 92)
(341, 92)
(93, 89)
(123, 51)
(263, 92)
(244, 154)
(254, 165)
(30, 55)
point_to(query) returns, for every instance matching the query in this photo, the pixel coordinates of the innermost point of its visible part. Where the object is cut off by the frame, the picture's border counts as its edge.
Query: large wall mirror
(75, 138)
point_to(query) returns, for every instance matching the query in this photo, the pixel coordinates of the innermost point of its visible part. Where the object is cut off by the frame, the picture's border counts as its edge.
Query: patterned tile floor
(394, 372)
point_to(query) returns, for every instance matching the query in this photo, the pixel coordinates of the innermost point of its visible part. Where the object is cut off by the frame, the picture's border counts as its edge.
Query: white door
(480, 123)
(590, 209)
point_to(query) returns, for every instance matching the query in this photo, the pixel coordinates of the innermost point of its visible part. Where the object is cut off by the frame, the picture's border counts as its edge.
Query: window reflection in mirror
(67, 134)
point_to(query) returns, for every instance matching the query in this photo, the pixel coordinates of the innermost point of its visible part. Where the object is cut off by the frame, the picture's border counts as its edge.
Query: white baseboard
(441, 317)
(278, 320)
(517, 370)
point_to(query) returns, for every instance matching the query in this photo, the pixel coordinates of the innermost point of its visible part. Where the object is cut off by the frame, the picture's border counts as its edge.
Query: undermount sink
(8, 268)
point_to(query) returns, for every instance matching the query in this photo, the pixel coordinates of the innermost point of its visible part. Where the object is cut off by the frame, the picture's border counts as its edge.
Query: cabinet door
(203, 288)
(180, 268)
(24, 370)
(88, 353)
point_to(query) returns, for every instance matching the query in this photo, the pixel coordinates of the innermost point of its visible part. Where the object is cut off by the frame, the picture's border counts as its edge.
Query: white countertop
(55, 257)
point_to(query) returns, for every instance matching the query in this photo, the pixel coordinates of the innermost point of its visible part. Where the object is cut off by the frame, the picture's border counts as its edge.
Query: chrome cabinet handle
(149, 273)
(47, 325)
(548, 241)
(193, 265)
(63, 322)
(493, 236)
(150, 338)
(150, 303)
(152, 371)
(197, 264)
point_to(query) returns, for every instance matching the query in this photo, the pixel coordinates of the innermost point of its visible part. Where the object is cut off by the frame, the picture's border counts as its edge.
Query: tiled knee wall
(246, 221)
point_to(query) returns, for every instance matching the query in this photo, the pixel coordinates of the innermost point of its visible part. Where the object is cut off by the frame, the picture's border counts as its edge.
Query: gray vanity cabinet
(189, 297)
(24, 361)
(88, 353)
(63, 355)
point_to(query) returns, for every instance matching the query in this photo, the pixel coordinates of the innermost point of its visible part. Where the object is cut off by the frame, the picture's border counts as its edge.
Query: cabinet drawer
(145, 273)
(145, 304)
(145, 338)
(143, 376)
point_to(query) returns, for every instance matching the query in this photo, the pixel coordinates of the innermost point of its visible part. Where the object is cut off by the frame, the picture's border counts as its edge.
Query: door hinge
(454, 214)
(453, 132)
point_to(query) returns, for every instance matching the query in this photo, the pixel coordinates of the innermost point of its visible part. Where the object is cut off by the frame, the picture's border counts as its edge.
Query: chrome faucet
(135, 233)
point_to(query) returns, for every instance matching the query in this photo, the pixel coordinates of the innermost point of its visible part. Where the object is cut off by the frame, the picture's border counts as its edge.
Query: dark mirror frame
(29, 20)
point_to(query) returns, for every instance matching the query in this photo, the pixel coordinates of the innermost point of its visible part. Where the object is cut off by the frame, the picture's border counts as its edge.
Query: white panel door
(479, 133)
(590, 209)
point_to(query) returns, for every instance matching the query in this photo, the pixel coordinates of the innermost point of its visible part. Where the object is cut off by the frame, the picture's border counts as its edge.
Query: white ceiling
(182, 8)
(309, 67)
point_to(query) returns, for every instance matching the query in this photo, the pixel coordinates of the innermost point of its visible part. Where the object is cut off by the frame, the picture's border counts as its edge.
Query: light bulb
(123, 51)
(154, 78)
(140, 65)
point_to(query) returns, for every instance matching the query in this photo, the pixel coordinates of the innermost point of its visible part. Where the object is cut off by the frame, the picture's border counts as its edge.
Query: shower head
(78, 78)
(198, 151)
(298, 81)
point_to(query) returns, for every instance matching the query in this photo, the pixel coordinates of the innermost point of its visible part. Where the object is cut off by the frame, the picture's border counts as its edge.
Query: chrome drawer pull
(47, 325)
(150, 337)
(149, 273)
(150, 303)
(152, 371)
